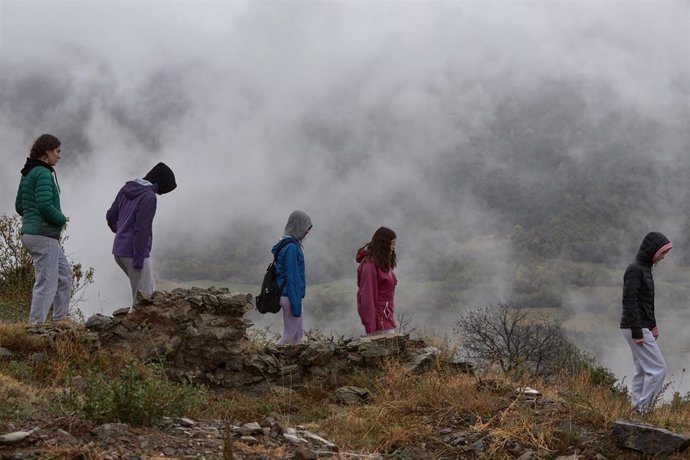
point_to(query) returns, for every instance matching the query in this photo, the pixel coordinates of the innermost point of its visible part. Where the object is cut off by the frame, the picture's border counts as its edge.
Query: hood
(280, 241)
(298, 225)
(137, 187)
(651, 244)
(361, 254)
(31, 164)
(162, 176)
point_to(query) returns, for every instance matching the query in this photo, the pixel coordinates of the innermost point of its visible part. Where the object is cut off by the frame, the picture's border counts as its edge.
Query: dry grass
(238, 447)
(239, 405)
(672, 417)
(597, 406)
(374, 428)
(404, 410)
(518, 425)
(14, 336)
(402, 407)
(66, 355)
(18, 398)
(72, 453)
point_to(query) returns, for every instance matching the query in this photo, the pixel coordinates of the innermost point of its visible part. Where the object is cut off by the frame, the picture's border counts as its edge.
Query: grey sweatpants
(53, 284)
(139, 280)
(649, 370)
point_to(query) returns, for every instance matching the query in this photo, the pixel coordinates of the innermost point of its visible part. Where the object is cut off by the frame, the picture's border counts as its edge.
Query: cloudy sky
(340, 108)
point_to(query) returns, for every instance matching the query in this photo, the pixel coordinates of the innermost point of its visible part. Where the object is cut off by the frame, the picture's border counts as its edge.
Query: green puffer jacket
(38, 201)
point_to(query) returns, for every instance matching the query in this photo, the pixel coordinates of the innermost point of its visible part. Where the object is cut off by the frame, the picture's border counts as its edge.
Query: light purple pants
(53, 276)
(293, 327)
(139, 280)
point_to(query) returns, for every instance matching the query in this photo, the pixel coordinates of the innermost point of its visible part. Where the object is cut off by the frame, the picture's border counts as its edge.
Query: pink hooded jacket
(375, 295)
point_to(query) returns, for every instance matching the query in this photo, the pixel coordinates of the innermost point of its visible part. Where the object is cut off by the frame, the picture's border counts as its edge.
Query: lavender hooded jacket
(131, 219)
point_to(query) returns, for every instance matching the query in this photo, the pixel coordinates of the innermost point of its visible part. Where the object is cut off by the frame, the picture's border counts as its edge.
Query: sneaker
(639, 411)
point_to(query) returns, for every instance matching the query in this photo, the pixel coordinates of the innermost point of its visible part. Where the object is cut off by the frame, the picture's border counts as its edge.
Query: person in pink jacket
(376, 282)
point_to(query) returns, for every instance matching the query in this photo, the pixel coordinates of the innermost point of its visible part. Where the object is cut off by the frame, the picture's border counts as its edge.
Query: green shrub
(140, 395)
(572, 361)
(18, 370)
(16, 266)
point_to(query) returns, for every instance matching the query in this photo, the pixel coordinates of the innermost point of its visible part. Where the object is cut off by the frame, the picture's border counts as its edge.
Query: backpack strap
(280, 247)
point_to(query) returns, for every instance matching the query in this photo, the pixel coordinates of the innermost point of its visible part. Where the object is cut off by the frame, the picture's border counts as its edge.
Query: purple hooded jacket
(131, 219)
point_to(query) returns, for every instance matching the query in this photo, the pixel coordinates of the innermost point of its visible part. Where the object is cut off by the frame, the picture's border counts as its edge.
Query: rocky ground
(174, 438)
(183, 438)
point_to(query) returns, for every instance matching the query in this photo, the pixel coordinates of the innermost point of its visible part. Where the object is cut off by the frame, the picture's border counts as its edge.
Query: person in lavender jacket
(131, 219)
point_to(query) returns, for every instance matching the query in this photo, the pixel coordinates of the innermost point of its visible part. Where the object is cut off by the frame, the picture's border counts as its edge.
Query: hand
(639, 342)
(655, 332)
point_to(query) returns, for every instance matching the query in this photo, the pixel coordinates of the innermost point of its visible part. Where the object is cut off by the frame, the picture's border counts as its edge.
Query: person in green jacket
(38, 202)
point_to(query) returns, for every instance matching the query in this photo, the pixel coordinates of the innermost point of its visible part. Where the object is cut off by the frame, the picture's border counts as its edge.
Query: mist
(451, 122)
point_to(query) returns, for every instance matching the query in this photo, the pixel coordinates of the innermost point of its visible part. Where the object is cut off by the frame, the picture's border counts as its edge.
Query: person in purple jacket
(131, 219)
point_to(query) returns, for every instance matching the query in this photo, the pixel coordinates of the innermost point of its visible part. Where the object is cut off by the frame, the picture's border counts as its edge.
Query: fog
(360, 113)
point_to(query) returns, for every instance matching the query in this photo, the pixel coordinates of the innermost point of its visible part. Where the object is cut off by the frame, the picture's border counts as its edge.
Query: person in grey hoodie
(638, 322)
(131, 219)
(290, 273)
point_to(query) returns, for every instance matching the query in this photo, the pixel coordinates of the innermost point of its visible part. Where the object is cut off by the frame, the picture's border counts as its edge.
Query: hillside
(412, 399)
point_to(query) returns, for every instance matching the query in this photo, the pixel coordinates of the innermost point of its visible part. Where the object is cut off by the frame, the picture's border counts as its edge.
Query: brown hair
(43, 144)
(379, 249)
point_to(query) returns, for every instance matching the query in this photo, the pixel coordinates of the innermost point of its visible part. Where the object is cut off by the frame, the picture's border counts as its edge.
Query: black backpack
(268, 300)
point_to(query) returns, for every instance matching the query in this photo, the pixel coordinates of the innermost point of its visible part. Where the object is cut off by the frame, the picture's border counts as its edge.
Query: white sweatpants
(649, 370)
(139, 280)
(53, 285)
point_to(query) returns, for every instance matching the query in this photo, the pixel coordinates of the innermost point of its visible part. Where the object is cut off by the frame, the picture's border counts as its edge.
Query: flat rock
(17, 436)
(349, 395)
(251, 429)
(648, 439)
(380, 346)
(422, 360)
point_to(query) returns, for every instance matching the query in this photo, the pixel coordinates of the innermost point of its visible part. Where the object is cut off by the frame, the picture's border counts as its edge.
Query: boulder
(98, 322)
(421, 360)
(648, 439)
